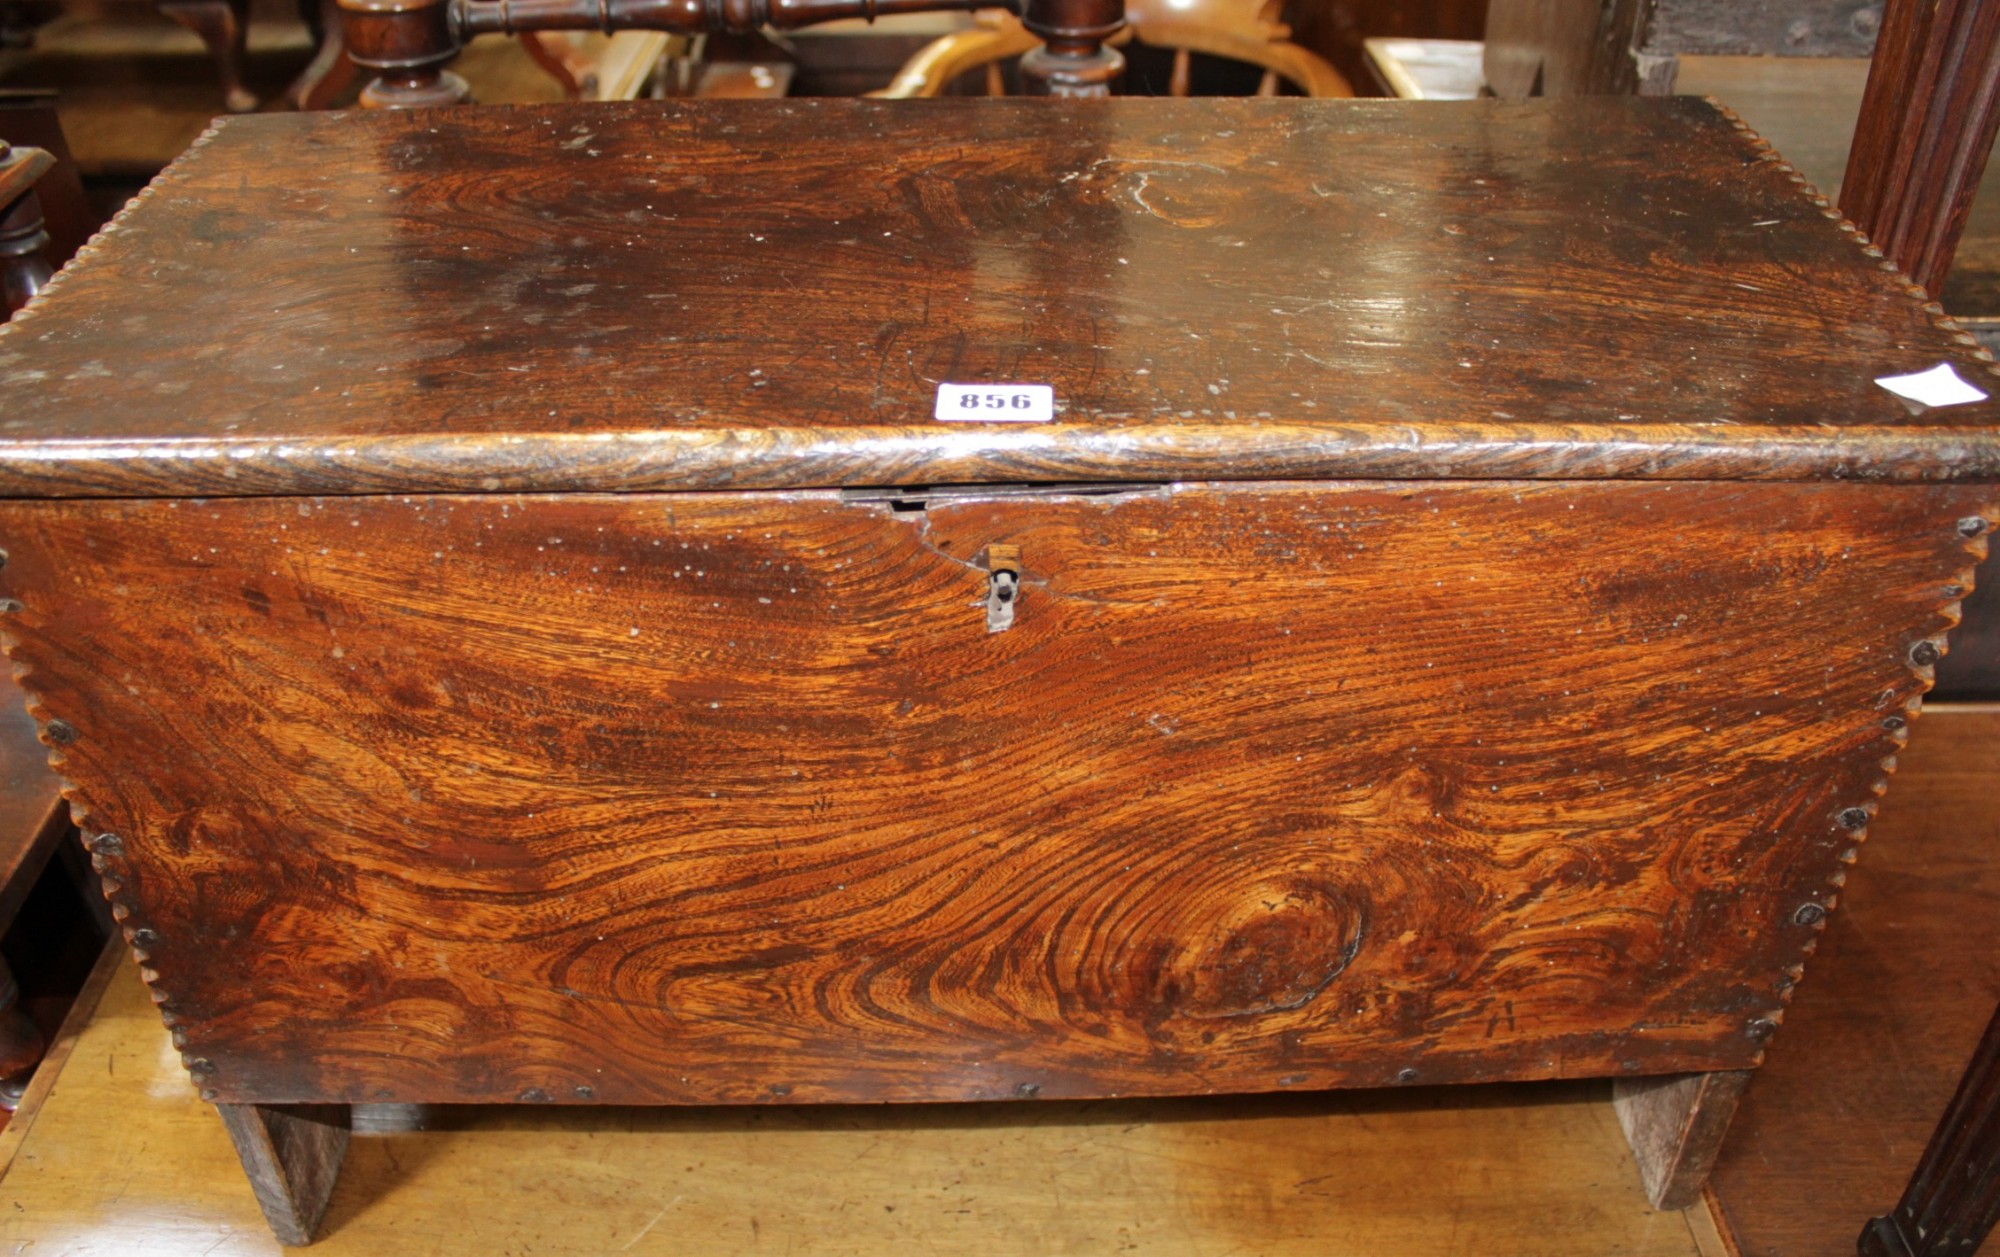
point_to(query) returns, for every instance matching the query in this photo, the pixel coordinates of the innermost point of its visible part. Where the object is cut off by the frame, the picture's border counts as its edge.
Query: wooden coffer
(514, 629)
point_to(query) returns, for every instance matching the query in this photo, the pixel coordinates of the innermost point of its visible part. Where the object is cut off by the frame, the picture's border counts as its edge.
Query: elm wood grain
(124, 1161)
(1928, 120)
(1675, 1125)
(1491, 303)
(292, 1156)
(1953, 1200)
(692, 798)
(1875, 1042)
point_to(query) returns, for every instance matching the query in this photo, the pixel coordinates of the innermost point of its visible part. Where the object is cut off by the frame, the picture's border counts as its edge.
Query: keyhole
(1000, 601)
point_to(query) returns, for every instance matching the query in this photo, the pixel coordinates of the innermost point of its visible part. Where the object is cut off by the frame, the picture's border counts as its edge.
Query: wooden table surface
(1570, 288)
(122, 1160)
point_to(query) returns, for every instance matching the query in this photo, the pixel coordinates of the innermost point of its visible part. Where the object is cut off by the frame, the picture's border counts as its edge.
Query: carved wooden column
(1953, 1200)
(24, 269)
(1928, 119)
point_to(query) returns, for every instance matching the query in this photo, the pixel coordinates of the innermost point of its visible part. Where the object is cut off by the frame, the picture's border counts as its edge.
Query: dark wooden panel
(734, 798)
(810, 270)
(1906, 975)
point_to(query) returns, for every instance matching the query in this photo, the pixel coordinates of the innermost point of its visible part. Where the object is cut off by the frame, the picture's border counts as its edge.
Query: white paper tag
(1939, 386)
(995, 403)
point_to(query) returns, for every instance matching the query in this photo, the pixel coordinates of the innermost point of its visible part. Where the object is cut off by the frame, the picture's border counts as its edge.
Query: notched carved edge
(107, 850)
(1766, 152)
(1896, 713)
(175, 171)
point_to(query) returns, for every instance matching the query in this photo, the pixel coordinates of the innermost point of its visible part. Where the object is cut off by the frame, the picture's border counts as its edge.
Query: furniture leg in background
(331, 72)
(20, 1042)
(222, 26)
(24, 266)
(1953, 1200)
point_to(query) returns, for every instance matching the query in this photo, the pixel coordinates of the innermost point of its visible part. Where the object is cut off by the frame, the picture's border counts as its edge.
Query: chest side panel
(726, 798)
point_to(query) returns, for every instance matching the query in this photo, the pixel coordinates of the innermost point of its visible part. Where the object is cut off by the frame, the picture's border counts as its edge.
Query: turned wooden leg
(1953, 1201)
(331, 71)
(20, 1043)
(1073, 60)
(292, 1155)
(405, 44)
(24, 266)
(1675, 1125)
(574, 74)
(223, 26)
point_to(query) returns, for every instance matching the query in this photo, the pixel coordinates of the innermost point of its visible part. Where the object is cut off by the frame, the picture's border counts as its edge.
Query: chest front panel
(721, 798)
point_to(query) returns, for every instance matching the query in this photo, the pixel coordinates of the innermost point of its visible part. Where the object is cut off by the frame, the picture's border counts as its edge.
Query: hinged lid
(683, 296)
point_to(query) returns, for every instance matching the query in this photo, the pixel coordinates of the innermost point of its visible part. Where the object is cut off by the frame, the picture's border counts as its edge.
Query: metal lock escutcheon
(1003, 586)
